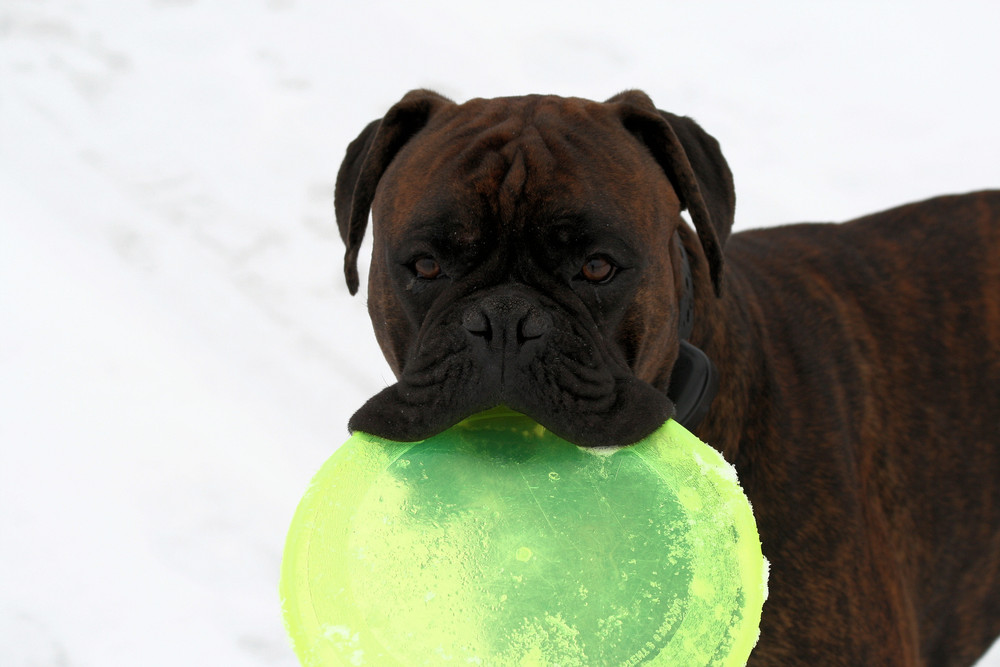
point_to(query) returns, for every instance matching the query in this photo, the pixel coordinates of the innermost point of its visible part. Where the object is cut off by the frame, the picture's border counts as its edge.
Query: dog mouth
(508, 351)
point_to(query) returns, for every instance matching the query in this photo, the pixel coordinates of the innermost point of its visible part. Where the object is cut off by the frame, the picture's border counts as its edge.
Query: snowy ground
(178, 353)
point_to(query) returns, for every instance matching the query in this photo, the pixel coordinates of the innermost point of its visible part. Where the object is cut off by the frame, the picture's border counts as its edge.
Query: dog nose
(506, 319)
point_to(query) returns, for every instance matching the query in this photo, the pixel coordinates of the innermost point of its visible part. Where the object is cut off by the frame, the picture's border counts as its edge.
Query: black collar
(694, 380)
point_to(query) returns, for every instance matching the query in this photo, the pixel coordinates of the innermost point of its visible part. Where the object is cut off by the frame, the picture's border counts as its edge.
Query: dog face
(524, 256)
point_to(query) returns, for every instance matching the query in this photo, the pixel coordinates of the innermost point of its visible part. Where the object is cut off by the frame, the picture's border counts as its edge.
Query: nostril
(477, 323)
(534, 325)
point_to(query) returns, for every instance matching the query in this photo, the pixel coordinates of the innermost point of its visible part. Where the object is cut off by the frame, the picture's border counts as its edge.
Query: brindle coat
(859, 362)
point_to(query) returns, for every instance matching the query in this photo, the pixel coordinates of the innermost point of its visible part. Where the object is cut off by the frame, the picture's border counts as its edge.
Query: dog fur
(859, 363)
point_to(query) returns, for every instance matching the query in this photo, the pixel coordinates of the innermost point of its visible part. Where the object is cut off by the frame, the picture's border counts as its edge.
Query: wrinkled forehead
(522, 161)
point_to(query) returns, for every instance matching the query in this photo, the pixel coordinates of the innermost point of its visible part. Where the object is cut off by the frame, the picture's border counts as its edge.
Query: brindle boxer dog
(531, 252)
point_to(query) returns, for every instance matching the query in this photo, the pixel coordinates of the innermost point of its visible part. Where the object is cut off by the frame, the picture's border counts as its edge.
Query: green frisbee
(498, 543)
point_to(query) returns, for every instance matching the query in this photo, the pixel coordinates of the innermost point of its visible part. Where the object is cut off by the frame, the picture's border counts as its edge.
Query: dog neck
(723, 328)
(694, 379)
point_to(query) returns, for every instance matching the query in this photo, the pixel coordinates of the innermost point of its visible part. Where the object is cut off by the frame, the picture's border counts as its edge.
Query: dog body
(531, 251)
(860, 393)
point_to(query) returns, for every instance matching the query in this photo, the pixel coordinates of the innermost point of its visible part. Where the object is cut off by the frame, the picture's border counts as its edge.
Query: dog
(532, 252)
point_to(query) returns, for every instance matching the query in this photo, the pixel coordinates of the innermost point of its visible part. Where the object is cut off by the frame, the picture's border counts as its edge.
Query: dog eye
(597, 269)
(427, 268)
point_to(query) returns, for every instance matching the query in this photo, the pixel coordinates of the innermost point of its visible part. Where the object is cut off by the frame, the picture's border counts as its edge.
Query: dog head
(524, 255)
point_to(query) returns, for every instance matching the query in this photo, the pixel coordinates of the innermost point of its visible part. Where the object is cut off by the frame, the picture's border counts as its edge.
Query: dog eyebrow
(446, 233)
(587, 233)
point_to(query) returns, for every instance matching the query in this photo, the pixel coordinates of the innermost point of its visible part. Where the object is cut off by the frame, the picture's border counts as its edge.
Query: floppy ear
(368, 156)
(692, 161)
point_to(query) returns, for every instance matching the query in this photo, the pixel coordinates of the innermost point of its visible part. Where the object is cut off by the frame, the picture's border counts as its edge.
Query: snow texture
(178, 350)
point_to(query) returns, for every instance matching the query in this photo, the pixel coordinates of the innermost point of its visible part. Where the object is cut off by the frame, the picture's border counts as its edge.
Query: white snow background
(178, 351)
